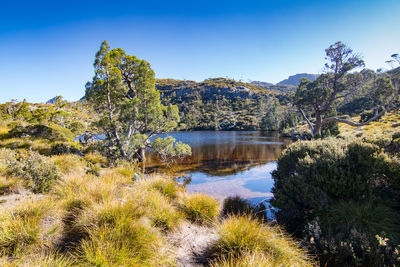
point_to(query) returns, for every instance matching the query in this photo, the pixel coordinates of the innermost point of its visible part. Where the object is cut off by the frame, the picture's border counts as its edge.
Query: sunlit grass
(243, 237)
(31, 226)
(199, 208)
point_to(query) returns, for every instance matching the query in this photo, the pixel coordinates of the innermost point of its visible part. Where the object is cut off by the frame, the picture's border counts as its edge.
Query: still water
(227, 163)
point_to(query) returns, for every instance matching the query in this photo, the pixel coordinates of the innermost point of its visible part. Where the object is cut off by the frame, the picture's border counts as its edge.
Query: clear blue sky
(47, 47)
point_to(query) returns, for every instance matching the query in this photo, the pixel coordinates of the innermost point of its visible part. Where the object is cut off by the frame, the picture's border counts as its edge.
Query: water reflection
(227, 163)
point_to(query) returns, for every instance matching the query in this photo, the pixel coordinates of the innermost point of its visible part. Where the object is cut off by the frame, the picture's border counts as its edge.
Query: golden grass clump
(124, 243)
(31, 226)
(68, 163)
(199, 208)
(126, 168)
(96, 158)
(242, 238)
(161, 212)
(167, 187)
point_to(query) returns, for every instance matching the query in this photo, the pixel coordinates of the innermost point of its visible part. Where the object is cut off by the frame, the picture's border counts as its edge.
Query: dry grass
(31, 226)
(386, 126)
(244, 241)
(111, 220)
(200, 208)
(68, 163)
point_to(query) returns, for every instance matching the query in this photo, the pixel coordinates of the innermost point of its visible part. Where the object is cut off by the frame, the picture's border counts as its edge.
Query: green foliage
(338, 195)
(239, 206)
(123, 92)
(34, 168)
(52, 132)
(168, 149)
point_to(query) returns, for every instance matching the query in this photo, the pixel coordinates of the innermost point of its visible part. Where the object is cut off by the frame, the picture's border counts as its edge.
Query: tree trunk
(142, 157)
(317, 125)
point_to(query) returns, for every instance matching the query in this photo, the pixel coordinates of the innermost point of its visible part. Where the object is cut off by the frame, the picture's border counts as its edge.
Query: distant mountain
(52, 101)
(280, 88)
(294, 80)
(263, 84)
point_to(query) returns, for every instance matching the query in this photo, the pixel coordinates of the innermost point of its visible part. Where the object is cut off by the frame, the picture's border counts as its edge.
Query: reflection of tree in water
(220, 159)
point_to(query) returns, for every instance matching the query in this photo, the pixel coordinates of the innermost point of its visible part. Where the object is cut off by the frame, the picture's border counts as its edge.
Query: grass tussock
(200, 208)
(68, 163)
(245, 240)
(32, 226)
(165, 186)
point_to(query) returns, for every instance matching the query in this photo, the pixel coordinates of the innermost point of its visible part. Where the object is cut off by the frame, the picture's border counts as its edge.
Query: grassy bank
(105, 218)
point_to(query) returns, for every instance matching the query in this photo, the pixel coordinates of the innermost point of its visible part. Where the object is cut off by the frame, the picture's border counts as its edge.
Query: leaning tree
(316, 100)
(131, 113)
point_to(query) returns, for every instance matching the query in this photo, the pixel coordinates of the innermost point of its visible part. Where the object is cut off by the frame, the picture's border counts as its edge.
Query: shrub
(34, 168)
(239, 206)
(64, 148)
(200, 208)
(240, 237)
(338, 195)
(52, 132)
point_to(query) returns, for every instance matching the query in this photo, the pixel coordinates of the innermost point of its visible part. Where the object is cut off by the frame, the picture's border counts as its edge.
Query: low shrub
(96, 158)
(239, 206)
(52, 132)
(199, 208)
(34, 168)
(338, 195)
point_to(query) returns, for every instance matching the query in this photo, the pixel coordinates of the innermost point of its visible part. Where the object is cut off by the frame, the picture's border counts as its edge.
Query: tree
(123, 92)
(319, 97)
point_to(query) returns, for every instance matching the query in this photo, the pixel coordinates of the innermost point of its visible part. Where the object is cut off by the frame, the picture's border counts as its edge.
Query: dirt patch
(191, 243)
(11, 200)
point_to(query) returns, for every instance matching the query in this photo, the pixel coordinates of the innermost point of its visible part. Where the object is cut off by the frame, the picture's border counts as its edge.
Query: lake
(226, 163)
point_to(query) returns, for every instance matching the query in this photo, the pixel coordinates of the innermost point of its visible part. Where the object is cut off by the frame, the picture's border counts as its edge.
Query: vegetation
(123, 92)
(244, 241)
(339, 84)
(342, 198)
(70, 197)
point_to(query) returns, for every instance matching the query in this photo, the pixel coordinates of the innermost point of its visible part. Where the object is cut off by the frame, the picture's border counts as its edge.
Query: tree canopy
(317, 99)
(123, 92)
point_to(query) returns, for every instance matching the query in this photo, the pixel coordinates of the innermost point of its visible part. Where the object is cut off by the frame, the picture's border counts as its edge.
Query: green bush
(239, 206)
(52, 132)
(34, 168)
(338, 195)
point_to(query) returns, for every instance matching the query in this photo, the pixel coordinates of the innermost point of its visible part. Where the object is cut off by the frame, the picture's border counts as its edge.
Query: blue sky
(47, 48)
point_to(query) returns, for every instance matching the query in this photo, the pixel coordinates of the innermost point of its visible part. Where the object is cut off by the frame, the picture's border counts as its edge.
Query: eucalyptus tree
(319, 98)
(123, 93)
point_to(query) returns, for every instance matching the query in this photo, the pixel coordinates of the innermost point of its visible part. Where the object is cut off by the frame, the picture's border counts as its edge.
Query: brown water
(227, 163)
